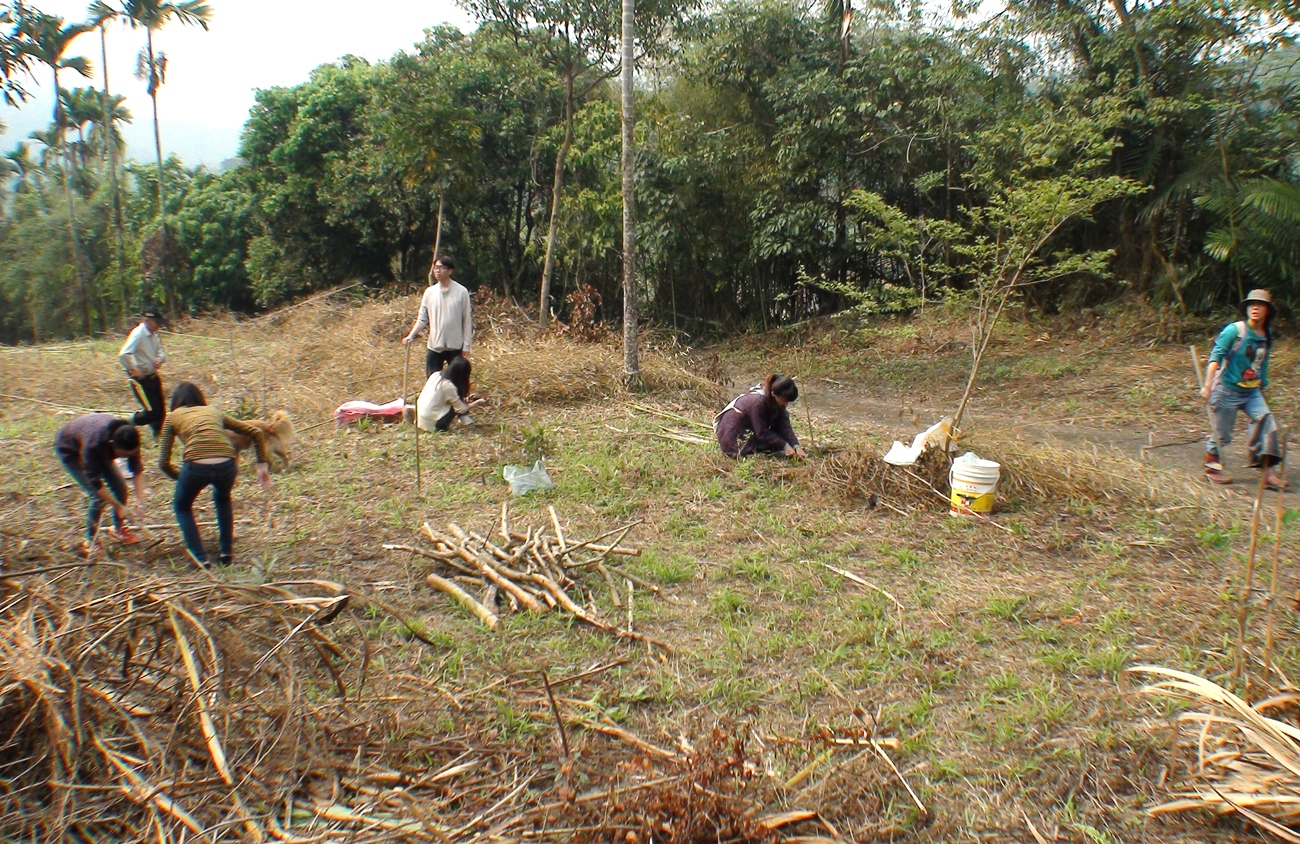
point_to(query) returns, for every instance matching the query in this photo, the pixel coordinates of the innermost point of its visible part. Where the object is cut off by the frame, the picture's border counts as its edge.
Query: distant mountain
(193, 143)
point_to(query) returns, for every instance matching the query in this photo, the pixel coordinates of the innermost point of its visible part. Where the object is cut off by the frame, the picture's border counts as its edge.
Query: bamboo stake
(555, 710)
(1277, 552)
(1240, 662)
(406, 372)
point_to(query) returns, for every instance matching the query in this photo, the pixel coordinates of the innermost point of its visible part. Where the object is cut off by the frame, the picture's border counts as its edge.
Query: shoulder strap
(1240, 325)
(1241, 338)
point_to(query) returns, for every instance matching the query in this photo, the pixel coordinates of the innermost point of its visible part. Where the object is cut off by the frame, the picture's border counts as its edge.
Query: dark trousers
(435, 361)
(444, 422)
(194, 477)
(115, 484)
(148, 391)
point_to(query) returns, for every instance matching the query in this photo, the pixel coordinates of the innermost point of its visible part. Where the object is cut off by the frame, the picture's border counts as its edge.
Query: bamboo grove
(792, 161)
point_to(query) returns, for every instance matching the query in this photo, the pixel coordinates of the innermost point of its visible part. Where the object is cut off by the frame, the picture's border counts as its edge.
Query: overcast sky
(211, 75)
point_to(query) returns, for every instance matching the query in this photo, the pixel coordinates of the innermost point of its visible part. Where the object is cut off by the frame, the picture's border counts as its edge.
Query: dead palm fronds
(1242, 761)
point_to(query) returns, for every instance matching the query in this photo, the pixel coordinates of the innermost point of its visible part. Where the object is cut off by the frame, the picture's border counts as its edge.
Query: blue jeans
(1226, 402)
(115, 485)
(194, 477)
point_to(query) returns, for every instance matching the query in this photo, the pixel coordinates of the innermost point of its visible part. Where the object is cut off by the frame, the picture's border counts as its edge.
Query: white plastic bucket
(974, 482)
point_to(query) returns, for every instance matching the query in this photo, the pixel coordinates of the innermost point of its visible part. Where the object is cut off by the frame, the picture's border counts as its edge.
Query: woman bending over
(209, 460)
(88, 447)
(762, 413)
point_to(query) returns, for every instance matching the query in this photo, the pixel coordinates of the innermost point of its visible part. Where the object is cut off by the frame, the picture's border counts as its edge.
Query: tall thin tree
(631, 348)
(151, 16)
(100, 15)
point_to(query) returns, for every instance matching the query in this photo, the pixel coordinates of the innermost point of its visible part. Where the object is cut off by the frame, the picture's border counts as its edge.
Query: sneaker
(1273, 480)
(1214, 474)
(124, 467)
(90, 549)
(195, 562)
(226, 560)
(124, 535)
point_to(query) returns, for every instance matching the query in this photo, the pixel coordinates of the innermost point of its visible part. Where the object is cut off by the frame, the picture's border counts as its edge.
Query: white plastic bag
(523, 481)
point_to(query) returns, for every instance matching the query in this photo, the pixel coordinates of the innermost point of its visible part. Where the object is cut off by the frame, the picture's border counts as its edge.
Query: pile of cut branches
(161, 709)
(533, 571)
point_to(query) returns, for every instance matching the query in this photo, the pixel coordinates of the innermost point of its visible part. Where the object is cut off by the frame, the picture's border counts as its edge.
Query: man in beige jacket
(445, 311)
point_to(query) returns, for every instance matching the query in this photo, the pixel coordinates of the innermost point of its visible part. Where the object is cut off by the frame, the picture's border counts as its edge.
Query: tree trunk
(69, 166)
(631, 347)
(110, 147)
(154, 82)
(437, 233)
(548, 266)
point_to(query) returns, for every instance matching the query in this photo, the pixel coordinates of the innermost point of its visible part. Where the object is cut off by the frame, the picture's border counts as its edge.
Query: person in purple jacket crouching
(762, 413)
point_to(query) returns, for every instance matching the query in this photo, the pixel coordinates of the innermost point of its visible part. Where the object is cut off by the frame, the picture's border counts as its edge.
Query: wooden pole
(406, 372)
(1277, 552)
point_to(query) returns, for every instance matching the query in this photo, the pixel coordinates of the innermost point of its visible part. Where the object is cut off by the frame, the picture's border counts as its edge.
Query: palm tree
(105, 137)
(47, 39)
(80, 113)
(100, 14)
(18, 163)
(151, 15)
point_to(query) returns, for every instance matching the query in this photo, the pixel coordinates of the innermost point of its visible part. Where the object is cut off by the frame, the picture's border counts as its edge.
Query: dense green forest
(790, 162)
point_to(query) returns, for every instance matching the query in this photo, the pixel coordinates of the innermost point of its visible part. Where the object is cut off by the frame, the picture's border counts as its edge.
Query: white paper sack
(907, 455)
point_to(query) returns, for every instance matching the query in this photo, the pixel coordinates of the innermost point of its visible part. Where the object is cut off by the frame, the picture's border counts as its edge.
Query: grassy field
(986, 656)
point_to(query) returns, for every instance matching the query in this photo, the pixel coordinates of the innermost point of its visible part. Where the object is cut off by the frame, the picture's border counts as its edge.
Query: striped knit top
(201, 429)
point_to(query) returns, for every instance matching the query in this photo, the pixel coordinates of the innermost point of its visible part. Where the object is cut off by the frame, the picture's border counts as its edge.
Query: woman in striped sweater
(208, 460)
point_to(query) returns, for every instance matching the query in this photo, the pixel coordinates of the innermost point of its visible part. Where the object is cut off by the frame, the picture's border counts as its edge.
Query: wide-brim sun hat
(1258, 296)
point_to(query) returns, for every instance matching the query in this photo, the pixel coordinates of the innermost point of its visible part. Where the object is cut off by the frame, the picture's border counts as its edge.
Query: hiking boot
(124, 535)
(1214, 474)
(1273, 480)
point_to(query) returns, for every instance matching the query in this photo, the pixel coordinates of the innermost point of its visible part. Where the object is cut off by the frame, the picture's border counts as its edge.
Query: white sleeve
(126, 355)
(467, 326)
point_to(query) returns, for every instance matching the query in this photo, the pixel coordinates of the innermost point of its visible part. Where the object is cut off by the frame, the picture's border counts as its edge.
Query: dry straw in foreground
(1238, 758)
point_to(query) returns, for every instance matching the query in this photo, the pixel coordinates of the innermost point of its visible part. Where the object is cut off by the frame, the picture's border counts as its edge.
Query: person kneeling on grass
(209, 460)
(761, 411)
(88, 447)
(442, 401)
(1235, 379)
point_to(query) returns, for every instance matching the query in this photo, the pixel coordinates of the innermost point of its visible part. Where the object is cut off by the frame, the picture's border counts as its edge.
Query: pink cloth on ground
(351, 411)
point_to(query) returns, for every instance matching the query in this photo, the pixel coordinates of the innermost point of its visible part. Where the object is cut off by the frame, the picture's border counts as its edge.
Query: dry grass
(982, 653)
(1235, 757)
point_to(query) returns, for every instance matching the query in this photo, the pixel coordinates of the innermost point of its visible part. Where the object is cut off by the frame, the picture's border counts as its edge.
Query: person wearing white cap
(1235, 379)
(140, 356)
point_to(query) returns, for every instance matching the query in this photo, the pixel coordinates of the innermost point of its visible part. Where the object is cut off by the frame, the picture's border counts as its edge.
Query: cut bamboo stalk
(555, 520)
(206, 724)
(567, 603)
(627, 575)
(615, 549)
(609, 581)
(483, 614)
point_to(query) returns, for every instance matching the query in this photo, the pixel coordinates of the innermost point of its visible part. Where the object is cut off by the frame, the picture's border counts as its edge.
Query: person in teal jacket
(1235, 380)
